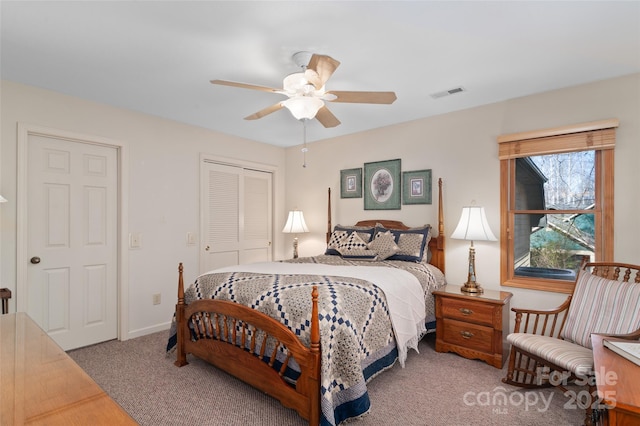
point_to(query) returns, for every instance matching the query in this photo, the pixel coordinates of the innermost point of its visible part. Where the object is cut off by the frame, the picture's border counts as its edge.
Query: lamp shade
(295, 223)
(2, 199)
(473, 225)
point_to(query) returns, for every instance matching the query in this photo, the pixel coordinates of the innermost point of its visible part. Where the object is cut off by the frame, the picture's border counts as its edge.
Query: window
(556, 201)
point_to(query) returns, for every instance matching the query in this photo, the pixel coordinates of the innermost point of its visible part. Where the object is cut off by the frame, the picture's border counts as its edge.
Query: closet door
(236, 213)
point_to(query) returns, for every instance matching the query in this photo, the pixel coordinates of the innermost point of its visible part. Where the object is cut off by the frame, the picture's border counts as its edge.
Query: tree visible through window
(553, 244)
(557, 205)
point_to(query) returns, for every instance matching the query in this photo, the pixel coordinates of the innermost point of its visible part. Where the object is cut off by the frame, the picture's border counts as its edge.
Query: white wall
(461, 148)
(163, 188)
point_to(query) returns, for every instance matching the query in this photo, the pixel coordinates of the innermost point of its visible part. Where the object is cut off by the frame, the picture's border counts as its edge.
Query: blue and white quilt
(366, 320)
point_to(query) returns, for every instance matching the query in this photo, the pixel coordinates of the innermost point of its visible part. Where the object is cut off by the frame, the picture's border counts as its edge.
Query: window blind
(598, 135)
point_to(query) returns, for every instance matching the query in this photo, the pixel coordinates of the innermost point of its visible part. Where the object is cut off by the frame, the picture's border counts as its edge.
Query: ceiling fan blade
(246, 86)
(326, 117)
(363, 97)
(266, 111)
(324, 66)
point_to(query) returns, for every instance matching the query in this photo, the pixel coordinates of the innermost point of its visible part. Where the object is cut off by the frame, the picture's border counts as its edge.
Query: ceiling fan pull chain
(304, 146)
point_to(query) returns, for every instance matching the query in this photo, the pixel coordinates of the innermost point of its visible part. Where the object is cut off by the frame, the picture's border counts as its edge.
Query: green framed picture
(416, 187)
(382, 186)
(351, 183)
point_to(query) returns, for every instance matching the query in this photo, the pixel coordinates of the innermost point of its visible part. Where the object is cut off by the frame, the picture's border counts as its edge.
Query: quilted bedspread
(356, 330)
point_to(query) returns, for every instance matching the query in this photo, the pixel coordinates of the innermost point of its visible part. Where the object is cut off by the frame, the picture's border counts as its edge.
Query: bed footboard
(253, 347)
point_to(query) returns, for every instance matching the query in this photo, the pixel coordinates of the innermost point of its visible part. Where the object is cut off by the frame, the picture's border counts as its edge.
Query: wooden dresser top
(41, 384)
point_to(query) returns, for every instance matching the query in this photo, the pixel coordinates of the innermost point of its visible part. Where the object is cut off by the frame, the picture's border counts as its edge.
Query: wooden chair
(5, 295)
(553, 347)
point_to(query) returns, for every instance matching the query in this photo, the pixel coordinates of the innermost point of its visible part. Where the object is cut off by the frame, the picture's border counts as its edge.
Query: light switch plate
(135, 240)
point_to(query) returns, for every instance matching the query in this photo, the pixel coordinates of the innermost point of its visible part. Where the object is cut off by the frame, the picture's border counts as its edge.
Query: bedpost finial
(315, 321)
(180, 284)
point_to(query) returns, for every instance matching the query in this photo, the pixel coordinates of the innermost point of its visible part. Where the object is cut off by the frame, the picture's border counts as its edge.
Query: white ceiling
(158, 57)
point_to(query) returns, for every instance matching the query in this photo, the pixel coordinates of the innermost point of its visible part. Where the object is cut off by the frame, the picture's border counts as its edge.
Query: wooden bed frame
(227, 339)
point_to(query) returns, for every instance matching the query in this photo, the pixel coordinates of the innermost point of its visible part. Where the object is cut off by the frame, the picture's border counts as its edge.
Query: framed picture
(416, 187)
(351, 183)
(382, 186)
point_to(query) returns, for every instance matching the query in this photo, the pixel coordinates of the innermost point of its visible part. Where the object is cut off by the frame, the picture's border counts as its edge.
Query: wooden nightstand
(472, 326)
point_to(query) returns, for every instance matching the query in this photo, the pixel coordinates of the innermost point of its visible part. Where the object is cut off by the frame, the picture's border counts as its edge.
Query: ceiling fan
(306, 94)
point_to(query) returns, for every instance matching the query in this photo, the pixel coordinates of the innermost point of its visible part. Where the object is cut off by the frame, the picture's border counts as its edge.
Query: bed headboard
(436, 244)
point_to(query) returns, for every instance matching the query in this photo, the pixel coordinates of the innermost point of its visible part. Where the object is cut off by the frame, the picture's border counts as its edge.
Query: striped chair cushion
(600, 305)
(567, 355)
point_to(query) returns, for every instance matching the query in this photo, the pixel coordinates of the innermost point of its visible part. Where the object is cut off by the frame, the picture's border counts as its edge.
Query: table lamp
(295, 225)
(473, 226)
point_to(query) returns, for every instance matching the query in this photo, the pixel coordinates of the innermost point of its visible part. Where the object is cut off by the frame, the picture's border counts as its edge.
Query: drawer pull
(466, 311)
(466, 334)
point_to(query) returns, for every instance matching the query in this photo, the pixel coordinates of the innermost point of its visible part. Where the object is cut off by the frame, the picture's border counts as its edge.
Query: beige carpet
(434, 389)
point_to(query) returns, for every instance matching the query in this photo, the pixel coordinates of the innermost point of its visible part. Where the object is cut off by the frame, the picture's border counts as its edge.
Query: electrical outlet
(156, 299)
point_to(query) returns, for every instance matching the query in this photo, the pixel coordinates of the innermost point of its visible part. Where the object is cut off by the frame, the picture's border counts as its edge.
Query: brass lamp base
(471, 288)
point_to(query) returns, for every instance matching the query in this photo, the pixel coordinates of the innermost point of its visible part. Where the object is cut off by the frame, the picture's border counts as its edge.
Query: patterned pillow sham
(412, 242)
(359, 254)
(426, 257)
(384, 243)
(351, 242)
(339, 232)
(353, 247)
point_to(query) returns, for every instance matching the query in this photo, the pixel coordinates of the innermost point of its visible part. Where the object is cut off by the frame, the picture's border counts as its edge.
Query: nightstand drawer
(464, 310)
(469, 335)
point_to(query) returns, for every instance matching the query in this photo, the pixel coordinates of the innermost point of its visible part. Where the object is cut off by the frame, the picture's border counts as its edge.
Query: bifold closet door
(236, 216)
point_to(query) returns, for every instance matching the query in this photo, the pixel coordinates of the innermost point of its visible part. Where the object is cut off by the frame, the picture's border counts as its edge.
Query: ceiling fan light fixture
(307, 93)
(303, 106)
(294, 82)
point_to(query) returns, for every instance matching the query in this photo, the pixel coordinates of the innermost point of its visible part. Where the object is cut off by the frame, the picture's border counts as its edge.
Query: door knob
(35, 260)
(206, 248)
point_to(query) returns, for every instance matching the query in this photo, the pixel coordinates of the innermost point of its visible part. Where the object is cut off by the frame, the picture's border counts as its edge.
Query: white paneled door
(236, 214)
(72, 234)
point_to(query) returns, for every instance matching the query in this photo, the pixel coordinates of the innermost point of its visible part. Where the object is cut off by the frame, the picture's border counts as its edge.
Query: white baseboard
(148, 330)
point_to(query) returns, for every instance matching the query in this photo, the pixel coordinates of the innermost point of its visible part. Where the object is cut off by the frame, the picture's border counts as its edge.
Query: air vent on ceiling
(449, 92)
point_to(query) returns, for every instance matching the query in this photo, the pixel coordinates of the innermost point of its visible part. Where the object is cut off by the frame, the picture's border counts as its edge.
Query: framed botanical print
(382, 186)
(416, 187)
(351, 183)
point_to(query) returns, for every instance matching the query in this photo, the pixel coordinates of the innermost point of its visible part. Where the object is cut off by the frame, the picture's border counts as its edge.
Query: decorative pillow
(339, 232)
(426, 258)
(384, 243)
(359, 254)
(601, 305)
(336, 237)
(351, 242)
(427, 254)
(412, 242)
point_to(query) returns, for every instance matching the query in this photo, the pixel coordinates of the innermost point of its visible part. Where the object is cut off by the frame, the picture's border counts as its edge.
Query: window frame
(598, 136)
